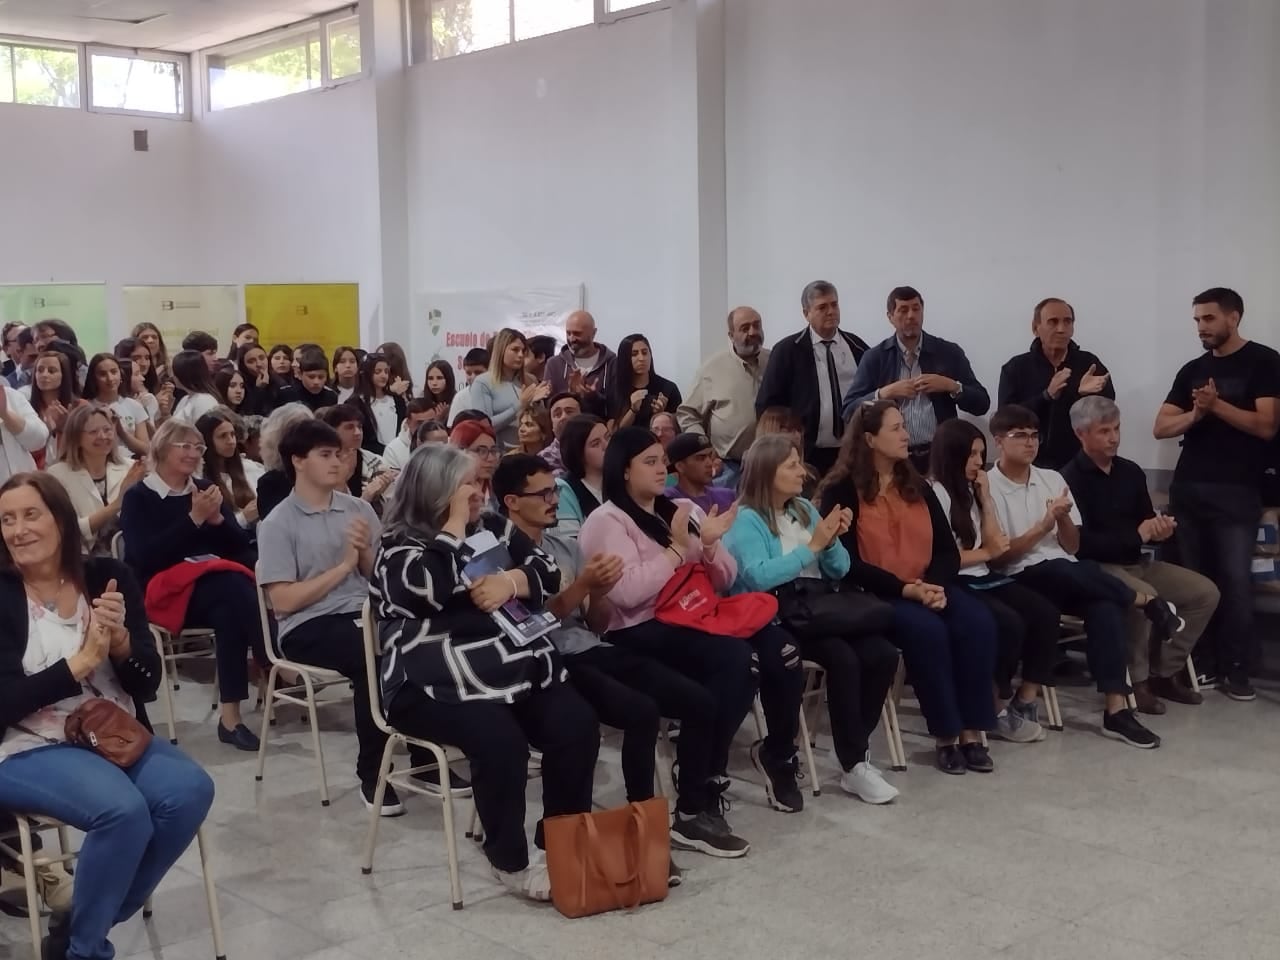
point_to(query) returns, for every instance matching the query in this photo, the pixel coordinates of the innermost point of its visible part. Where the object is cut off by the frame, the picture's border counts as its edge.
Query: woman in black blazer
(73, 630)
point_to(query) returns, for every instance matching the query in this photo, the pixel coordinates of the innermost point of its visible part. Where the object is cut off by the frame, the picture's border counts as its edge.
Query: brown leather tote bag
(101, 726)
(609, 860)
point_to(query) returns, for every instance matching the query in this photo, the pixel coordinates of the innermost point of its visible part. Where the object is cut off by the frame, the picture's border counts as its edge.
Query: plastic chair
(27, 858)
(405, 781)
(314, 680)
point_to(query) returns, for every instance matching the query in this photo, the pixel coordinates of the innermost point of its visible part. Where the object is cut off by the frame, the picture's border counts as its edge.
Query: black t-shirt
(1213, 451)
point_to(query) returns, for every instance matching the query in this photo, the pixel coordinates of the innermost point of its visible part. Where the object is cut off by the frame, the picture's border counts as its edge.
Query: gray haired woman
(274, 484)
(450, 673)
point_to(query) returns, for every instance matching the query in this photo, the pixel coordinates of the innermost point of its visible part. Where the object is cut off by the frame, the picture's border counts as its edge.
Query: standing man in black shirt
(1119, 521)
(1224, 406)
(1050, 377)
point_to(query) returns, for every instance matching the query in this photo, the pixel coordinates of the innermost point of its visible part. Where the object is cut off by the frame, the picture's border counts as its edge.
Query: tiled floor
(1075, 847)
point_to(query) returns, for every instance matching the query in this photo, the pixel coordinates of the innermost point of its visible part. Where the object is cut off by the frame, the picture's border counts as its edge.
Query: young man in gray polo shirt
(315, 551)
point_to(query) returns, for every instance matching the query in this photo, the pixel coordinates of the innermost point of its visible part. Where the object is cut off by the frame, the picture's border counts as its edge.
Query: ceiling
(182, 25)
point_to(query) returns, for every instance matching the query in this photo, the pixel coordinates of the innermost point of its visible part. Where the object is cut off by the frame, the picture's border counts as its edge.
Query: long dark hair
(399, 364)
(627, 444)
(233, 350)
(66, 389)
(54, 495)
(124, 351)
(952, 446)
(228, 472)
(450, 384)
(856, 463)
(338, 354)
(624, 375)
(364, 386)
(222, 380)
(573, 443)
(90, 391)
(192, 373)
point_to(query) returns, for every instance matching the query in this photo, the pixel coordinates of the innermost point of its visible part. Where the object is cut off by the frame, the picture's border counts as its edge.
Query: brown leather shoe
(1172, 688)
(1148, 702)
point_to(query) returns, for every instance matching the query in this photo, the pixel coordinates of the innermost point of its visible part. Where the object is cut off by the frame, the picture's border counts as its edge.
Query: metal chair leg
(29, 879)
(211, 894)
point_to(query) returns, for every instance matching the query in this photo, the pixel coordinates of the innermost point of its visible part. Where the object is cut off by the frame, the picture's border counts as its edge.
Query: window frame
(606, 16)
(182, 78)
(246, 44)
(84, 56)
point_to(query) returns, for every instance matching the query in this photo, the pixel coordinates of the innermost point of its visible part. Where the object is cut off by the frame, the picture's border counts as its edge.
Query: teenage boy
(311, 389)
(628, 692)
(1036, 512)
(315, 553)
(693, 462)
(205, 344)
(416, 412)
(474, 363)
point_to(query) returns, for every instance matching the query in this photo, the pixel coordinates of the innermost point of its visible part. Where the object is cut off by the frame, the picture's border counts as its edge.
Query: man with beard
(583, 366)
(1050, 377)
(721, 402)
(1223, 405)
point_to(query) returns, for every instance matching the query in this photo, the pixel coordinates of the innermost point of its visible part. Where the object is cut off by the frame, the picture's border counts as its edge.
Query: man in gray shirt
(315, 552)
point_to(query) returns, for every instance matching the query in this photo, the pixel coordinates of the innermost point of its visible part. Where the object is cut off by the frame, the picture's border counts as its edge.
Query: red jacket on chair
(169, 591)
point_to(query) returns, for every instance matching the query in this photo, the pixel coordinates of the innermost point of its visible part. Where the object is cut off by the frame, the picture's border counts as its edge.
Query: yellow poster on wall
(294, 313)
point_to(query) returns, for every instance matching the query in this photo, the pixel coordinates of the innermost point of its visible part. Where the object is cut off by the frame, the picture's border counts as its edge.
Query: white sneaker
(532, 883)
(868, 784)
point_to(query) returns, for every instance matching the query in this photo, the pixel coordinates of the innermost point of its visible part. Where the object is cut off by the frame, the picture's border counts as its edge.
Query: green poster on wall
(82, 305)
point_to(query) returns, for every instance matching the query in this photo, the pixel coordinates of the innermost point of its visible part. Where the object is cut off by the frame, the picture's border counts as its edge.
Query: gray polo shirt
(297, 542)
(572, 636)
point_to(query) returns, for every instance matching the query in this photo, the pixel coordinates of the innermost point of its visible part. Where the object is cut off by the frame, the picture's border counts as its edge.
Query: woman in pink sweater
(654, 536)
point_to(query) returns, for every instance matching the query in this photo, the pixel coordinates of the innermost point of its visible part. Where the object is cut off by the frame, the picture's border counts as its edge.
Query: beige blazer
(84, 492)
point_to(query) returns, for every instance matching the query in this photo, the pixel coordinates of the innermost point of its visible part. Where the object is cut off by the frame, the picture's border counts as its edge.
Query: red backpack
(689, 599)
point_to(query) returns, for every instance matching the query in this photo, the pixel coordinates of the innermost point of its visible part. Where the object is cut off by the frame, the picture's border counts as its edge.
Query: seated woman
(781, 543)
(94, 476)
(1026, 621)
(654, 537)
(533, 431)
(73, 630)
(236, 475)
(478, 439)
(901, 548)
(273, 486)
(169, 518)
(582, 444)
(780, 420)
(451, 675)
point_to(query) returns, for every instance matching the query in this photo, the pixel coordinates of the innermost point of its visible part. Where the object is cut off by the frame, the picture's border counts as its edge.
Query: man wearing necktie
(810, 372)
(928, 377)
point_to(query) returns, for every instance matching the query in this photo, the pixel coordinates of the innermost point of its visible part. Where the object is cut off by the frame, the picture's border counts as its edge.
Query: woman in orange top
(901, 549)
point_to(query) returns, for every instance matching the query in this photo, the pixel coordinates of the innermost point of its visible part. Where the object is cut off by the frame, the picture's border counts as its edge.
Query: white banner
(448, 324)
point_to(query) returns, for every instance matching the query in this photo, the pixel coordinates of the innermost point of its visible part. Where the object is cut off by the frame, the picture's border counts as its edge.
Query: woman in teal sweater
(783, 545)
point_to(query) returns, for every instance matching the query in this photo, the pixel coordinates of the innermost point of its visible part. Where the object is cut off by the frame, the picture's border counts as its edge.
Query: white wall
(548, 162)
(81, 205)
(287, 192)
(994, 152)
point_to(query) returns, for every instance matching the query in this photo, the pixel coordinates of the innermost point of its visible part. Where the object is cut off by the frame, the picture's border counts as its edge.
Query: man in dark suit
(1050, 377)
(810, 371)
(928, 377)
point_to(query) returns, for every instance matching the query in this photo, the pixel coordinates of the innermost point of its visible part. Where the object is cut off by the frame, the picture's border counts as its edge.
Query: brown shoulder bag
(106, 729)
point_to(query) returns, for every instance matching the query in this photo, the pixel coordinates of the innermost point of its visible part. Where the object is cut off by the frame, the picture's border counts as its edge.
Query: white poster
(179, 310)
(448, 324)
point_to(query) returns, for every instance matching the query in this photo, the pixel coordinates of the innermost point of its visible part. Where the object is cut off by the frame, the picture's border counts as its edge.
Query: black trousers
(227, 603)
(781, 681)
(720, 665)
(1027, 623)
(335, 642)
(1083, 589)
(632, 693)
(860, 671)
(495, 737)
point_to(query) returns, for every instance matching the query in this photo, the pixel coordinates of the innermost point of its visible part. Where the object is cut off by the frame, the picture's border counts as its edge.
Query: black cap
(685, 445)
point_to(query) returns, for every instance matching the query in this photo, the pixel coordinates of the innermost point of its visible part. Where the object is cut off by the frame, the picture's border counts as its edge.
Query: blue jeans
(137, 822)
(950, 656)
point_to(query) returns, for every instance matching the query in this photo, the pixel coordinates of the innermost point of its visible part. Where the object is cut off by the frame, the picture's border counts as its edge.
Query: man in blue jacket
(927, 376)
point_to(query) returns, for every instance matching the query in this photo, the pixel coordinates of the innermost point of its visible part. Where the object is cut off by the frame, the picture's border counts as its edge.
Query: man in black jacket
(1050, 377)
(811, 371)
(926, 376)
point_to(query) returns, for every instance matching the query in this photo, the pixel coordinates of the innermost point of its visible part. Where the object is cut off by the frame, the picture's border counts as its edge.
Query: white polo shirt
(1020, 506)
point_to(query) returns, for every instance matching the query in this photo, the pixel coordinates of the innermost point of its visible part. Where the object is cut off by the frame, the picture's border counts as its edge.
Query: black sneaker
(1123, 725)
(1164, 618)
(431, 778)
(391, 805)
(703, 834)
(977, 757)
(1238, 687)
(779, 780)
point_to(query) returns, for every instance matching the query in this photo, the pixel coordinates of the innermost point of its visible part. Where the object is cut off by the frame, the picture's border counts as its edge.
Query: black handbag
(808, 607)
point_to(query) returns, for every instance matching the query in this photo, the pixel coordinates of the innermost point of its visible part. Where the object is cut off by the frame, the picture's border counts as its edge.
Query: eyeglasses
(187, 447)
(485, 453)
(1023, 436)
(101, 431)
(549, 495)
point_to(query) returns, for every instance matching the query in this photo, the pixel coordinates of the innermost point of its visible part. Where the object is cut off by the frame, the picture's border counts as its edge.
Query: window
(439, 29)
(39, 74)
(137, 84)
(306, 56)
